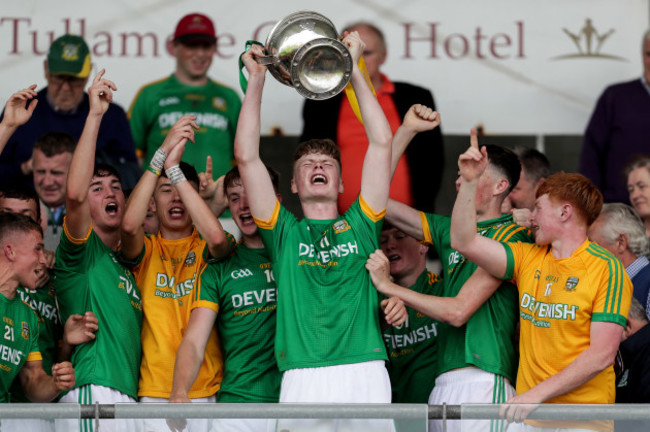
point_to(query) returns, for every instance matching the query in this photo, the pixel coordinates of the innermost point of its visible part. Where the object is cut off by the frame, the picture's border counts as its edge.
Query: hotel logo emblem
(589, 42)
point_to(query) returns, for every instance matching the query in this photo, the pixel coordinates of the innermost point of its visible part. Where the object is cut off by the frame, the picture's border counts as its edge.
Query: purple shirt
(618, 131)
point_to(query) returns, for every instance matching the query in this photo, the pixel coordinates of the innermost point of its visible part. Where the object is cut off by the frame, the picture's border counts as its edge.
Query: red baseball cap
(195, 26)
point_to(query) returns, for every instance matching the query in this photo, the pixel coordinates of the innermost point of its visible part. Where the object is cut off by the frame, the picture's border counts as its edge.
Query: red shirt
(353, 144)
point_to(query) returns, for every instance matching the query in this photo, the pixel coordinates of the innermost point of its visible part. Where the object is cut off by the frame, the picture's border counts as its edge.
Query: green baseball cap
(69, 55)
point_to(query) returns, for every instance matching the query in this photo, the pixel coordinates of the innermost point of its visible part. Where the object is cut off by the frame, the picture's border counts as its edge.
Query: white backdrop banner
(514, 66)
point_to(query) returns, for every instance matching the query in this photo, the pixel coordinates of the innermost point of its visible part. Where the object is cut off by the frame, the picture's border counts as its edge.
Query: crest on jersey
(25, 331)
(537, 274)
(340, 226)
(190, 259)
(571, 283)
(219, 103)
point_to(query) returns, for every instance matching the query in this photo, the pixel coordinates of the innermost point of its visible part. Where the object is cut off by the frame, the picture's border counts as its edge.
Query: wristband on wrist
(175, 174)
(158, 160)
(154, 170)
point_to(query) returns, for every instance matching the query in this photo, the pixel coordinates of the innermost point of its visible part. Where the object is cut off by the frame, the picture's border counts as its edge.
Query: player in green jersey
(89, 276)
(412, 348)
(188, 91)
(476, 361)
(574, 295)
(21, 261)
(328, 342)
(239, 294)
(52, 344)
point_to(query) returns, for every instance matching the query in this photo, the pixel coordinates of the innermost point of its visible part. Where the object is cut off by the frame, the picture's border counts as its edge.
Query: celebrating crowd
(202, 287)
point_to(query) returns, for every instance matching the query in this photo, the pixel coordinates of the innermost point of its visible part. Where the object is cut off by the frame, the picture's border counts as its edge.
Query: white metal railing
(321, 411)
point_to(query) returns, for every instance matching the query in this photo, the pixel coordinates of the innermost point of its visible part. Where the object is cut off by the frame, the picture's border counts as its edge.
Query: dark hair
(188, 171)
(22, 193)
(506, 162)
(55, 143)
(233, 177)
(534, 163)
(322, 146)
(575, 189)
(105, 170)
(637, 162)
(12, 222)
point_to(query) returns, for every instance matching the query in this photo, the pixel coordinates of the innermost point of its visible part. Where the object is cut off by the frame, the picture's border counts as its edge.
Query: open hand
(16, 113)
(80, 329)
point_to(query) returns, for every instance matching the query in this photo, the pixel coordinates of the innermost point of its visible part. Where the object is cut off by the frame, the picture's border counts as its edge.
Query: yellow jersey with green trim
(558, 301)
(166, 272)
(328, 309)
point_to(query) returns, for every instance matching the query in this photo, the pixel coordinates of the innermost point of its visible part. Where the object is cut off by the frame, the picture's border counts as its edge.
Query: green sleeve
(138, 122)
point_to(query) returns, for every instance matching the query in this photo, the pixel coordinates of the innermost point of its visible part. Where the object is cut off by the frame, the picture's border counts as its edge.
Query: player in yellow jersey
(166, 267)
(574, 296)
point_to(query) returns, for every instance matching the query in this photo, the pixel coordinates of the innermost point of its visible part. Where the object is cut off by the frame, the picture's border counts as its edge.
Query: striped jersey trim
(506, 232)
(269, 224)
(426, 230)
(205, 304)
(76, 240)
(34, 356)
(615, 282)
(368, 211)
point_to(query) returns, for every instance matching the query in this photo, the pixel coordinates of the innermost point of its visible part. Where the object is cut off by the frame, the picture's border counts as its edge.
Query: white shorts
(243, 425)
(366, 382)
(90, 394)
(26, 425)
(160, 425)
(469, 386)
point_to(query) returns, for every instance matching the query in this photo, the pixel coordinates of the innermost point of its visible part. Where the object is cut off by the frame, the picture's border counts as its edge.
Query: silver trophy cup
(303, 52)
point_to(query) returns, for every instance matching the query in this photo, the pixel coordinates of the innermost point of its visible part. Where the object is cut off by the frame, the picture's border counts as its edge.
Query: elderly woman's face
(638, 185)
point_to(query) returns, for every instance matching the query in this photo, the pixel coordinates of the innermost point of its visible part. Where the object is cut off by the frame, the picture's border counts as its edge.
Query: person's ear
(9, 252)
(566, 211)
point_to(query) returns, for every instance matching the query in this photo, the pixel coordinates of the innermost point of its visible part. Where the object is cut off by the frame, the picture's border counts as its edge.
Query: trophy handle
(267, 60)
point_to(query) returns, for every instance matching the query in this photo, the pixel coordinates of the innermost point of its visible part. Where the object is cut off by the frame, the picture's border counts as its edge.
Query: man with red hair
(574, 296)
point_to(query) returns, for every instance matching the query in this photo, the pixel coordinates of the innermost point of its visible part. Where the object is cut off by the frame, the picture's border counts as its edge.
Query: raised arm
(455, 311)
(255, 178)
(205, 221)
(482, 251)
(80, 174)
(405, 218)
(375, 174)
(419, 118)
(132, 230)
(16, 113)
